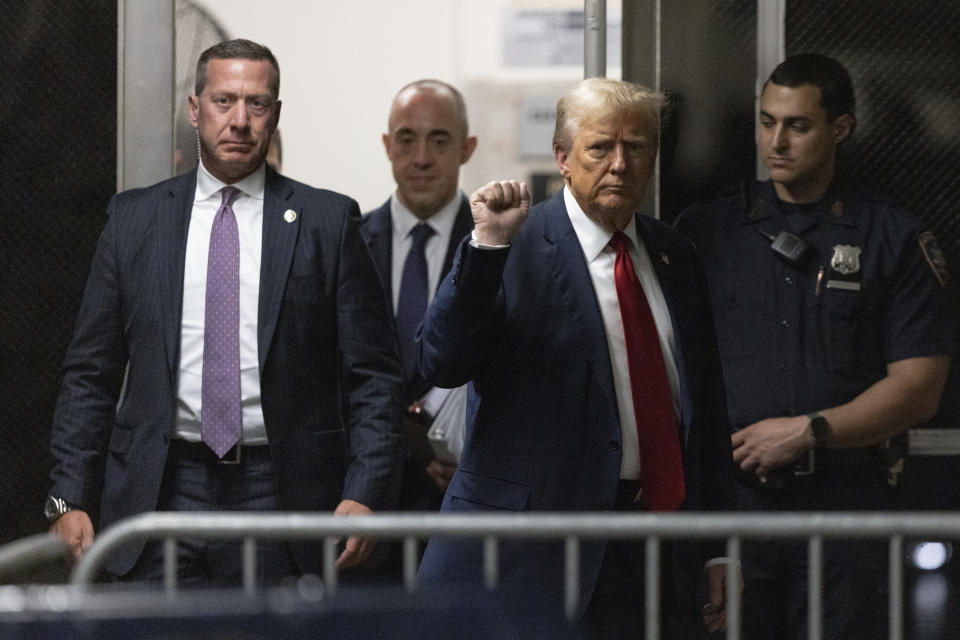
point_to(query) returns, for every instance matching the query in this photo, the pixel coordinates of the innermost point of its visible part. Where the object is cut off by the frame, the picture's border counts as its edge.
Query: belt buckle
(237, 458)
(810, 468)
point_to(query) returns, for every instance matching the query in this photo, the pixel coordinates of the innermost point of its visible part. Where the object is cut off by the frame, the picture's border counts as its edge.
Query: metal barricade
(734, 527)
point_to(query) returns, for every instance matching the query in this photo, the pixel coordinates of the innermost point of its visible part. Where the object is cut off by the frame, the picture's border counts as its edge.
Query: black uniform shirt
(795, 339)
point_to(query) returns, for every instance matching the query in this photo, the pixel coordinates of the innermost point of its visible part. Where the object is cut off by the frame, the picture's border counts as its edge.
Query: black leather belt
(200, 452)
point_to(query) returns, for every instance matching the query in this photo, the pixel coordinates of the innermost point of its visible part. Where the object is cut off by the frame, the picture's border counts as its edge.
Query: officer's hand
(771, 443)
(75, 528)
(499, 209)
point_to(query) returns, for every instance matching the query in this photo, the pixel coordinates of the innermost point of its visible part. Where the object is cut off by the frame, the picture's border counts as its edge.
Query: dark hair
(237, 49)
(823, 72)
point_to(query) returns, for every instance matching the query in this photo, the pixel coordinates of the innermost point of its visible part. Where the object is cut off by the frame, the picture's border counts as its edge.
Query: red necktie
(661, 463)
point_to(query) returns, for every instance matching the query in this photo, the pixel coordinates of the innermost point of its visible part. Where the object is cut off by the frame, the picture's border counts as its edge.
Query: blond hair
(599, 97)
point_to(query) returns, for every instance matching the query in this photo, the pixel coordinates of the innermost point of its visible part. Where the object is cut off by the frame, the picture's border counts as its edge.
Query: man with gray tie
(242, 317)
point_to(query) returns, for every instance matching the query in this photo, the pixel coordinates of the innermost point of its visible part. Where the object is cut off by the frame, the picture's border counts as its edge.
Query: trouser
(775, 572)
(194, 482)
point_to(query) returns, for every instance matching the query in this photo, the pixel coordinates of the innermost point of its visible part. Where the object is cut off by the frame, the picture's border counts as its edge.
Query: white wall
(342, 62)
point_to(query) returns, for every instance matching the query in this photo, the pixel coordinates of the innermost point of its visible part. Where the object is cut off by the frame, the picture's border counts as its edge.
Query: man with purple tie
(234, 350)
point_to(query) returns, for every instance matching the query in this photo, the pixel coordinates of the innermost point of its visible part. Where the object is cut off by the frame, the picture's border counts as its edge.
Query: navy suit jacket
(377, 229)
(326, 342)
(523, 323)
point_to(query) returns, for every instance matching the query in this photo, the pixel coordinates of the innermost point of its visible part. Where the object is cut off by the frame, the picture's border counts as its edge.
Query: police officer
(833, 330)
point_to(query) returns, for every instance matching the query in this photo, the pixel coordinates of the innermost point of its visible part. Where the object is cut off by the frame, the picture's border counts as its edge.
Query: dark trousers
(618, 606)
(202, 485)
(855, 592)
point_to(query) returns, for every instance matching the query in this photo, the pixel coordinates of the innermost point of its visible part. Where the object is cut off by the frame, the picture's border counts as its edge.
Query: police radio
(787, 246)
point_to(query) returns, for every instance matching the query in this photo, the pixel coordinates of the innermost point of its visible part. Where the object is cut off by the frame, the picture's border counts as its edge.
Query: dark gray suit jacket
(326, 341)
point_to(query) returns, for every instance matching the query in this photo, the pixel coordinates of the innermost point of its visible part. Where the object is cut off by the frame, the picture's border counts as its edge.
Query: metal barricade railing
(22, 560)
(734, 527)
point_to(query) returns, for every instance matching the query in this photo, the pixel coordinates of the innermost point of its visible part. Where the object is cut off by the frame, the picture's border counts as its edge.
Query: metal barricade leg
(815, 588)
(733, 588)
(330, 571)
(410, 548)
(571, 577)
(491, 561)
(249, 565)
(652, 588)
(170, 566)
(896, 587)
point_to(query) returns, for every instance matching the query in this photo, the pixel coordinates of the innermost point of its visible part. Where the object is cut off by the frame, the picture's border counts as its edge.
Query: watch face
(50, 507)
(54, 508)
(821, 430)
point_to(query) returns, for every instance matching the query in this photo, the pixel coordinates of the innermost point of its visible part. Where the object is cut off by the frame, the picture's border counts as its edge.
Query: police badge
(846, 259)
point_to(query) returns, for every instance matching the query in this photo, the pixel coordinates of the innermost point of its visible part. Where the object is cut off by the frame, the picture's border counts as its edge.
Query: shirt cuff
(721, 560)
(479, 245)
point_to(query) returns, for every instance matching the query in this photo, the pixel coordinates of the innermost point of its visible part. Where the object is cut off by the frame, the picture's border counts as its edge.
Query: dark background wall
(58, 113)
(903, 57)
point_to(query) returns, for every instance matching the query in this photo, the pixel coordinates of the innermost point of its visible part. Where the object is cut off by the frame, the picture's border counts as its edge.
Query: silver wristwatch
(56, 507)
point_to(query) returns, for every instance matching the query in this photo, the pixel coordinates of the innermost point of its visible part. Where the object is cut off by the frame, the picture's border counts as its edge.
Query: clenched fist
(499, 210)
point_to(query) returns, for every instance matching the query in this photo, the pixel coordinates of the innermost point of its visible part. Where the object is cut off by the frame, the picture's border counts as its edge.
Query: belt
(200, 452)
(817, 465)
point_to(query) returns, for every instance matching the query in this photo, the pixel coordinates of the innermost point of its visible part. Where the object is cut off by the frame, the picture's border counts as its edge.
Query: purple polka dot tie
(220, 415)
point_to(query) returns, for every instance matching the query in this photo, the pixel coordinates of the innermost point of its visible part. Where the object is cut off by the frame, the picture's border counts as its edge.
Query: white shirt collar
(252, 185)
(442, 221)
(593, 238)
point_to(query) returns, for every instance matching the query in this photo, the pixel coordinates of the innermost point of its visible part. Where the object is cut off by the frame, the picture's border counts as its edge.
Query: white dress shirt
(248, 209)
(402, 221)
(600, 259)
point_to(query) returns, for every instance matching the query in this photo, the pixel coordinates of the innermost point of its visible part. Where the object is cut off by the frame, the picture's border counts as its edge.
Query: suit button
(614, 445)
(166, 438)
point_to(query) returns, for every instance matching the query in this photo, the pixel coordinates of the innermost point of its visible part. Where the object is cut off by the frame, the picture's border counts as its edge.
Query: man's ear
(193, 111)
(843, 126)
(276, 115)
(561, 156)
(469, 146)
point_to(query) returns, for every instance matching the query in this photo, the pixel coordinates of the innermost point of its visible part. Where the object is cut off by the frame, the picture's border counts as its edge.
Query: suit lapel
(172, 225)
(378, 231)
(564, 253)
(279, 239)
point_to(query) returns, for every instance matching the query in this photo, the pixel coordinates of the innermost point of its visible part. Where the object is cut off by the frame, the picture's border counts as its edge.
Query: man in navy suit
(427, 142)
(313, 393)
(531, 313)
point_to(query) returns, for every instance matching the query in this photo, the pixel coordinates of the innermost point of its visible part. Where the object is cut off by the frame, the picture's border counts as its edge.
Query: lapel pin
(289, 215)
(664, 258)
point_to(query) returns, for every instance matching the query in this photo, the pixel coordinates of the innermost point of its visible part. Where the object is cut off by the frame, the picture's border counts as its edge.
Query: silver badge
(846, 259)
(289, 215)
